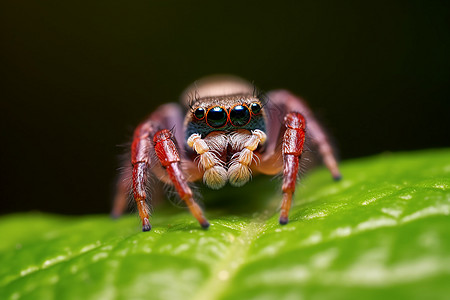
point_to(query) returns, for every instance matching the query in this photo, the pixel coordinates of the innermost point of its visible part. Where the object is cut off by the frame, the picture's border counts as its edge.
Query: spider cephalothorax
(218, 129)
(227, 134)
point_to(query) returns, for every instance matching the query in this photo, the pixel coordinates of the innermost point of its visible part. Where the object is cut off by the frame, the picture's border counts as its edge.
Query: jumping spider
(228, 133)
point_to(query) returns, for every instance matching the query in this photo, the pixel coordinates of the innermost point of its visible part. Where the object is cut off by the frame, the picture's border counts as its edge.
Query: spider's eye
(239, 115)
(199, 113)
(217, 117)
(256, 108)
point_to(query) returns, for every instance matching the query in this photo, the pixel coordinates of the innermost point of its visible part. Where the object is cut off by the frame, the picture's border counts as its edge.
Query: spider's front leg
(140, 161)
(298, 122)
(169, 158)
(147, 139)
(292, 148)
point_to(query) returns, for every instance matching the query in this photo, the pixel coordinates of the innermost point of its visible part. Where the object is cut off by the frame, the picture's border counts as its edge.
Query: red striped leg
(140, 160)
(288, 102)
(170, 159)
(292, 147)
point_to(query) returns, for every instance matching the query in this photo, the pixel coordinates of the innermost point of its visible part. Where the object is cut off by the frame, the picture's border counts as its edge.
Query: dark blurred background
(77, 76)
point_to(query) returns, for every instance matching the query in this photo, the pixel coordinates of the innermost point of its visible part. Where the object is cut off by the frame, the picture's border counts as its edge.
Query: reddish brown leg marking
(140, 160)
(283, 102)
(293, 140)
(168, 156)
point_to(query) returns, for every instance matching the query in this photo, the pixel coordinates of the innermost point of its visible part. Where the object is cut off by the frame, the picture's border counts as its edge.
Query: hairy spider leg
(168, 156)
(289, 135)
(140, 160)
(293, 141)
(166, 116)
(288, 102)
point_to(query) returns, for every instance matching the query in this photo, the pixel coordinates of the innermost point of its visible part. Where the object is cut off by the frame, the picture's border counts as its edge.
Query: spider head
(225, 113)
(223, 103)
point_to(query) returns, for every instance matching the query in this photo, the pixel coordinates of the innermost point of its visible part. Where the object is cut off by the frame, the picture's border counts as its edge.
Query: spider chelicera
(228, 133)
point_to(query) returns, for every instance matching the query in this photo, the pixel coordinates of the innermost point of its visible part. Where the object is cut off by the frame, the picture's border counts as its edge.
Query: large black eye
(217, 117)
(239, 115)
(256, 108)
(199, 113)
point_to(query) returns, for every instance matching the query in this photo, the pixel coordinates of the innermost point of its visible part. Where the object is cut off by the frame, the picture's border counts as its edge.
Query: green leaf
(383, 231)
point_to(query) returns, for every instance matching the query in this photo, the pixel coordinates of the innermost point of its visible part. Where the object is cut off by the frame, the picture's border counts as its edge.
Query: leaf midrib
(224, 270)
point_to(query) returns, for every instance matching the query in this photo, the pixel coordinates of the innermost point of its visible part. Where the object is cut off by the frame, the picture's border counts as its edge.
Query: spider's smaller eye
(199, 113)
(256, 108)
